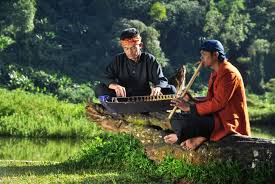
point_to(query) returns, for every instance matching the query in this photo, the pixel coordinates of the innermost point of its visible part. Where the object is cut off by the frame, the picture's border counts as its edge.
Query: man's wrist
(112, 85)
(157, 87)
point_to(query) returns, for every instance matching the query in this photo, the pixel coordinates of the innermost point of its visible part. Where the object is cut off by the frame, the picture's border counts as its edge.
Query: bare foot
(171, 138)
(193, 143)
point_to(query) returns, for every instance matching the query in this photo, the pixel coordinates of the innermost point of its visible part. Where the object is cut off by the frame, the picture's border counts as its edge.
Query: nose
(128, 51)
(133, 50)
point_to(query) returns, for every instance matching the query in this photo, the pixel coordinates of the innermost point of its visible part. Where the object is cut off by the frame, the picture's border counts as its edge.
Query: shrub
(15, 77)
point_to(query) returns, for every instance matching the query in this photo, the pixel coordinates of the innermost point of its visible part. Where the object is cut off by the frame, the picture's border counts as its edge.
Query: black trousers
(102, 89)
(189, 125)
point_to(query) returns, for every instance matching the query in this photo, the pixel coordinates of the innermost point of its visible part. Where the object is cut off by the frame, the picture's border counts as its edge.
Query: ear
(141, 45)
(216, 54)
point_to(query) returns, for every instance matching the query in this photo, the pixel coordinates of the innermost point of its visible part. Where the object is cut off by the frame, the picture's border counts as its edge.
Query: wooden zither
(137, 104)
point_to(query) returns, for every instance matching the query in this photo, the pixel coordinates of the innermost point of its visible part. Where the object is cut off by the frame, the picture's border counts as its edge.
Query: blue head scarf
(214, 46)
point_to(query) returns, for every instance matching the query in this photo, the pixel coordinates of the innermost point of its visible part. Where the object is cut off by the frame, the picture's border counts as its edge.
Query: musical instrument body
(136, 104)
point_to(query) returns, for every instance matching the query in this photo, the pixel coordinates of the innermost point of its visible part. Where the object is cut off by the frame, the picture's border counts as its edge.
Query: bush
(15, 77)
(113, 151)
(5, 41)
(270, 85)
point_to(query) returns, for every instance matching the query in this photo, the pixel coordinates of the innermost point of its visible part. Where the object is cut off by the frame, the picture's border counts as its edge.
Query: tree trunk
(249, 152)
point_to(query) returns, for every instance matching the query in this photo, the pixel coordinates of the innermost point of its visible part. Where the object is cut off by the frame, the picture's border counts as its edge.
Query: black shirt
(135, 76)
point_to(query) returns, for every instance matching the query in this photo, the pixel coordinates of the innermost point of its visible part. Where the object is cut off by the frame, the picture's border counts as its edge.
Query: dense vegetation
(15, 77)
(78, 38)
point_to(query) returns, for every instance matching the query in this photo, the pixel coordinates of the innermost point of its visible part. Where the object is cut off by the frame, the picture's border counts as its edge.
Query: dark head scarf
(214, 46)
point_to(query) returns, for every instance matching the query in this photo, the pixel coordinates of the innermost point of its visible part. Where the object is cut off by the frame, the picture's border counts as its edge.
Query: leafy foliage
(5, 41)
(227, 22)
(257, 52)
(18, 16)
(15, 77)
(158, 11)
(78, 39)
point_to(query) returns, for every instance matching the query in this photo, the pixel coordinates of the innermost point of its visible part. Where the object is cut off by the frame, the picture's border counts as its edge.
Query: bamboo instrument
(185, 90)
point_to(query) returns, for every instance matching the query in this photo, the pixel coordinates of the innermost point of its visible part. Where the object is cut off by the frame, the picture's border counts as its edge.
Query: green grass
(261, 108)
(119, 158)
(37, 173)
(114, 152)
(263, 131)
(36, 115)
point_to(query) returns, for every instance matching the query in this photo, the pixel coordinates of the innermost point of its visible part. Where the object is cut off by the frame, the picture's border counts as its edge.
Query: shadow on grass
(12, 169)
(68, 173)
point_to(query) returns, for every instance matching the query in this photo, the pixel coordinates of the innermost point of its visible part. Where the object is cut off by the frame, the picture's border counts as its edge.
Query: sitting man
(221, 113)
(131, 71)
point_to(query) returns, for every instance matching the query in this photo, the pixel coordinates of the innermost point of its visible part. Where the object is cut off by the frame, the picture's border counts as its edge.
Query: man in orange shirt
(221, 113)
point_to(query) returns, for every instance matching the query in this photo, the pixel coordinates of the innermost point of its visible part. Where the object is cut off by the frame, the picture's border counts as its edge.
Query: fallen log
(151, 128)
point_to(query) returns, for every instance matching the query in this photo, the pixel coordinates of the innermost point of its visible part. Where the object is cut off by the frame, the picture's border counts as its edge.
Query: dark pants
(101, 89)
(191, 125)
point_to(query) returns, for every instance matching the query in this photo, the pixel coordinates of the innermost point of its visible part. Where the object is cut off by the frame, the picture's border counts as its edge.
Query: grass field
(119, 158)
(23, 114)
(104, 158)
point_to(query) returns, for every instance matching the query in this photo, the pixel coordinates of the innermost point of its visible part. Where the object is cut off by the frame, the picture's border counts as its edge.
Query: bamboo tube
(196, 73)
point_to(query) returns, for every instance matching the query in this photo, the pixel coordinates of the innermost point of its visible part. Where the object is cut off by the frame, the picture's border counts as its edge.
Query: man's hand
(120, 90)
(180, 103)
(155, 91)
(187, 97)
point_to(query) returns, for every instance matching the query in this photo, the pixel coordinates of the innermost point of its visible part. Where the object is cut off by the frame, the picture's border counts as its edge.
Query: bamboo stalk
(196, 73)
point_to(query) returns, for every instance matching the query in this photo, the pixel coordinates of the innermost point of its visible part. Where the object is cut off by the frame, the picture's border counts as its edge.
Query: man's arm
(111, 78)
(189, 98)
(223, 94)
(111, 73)
(156, 75)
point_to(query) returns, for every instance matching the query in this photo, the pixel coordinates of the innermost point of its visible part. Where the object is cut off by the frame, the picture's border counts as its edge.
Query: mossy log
(150, 129)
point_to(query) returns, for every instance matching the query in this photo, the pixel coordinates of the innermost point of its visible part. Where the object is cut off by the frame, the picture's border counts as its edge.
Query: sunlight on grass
(266, 132)
(36, 115)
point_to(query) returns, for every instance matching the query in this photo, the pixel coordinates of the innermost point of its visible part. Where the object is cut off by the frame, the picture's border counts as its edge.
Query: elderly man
(221, 113)
(132, 71)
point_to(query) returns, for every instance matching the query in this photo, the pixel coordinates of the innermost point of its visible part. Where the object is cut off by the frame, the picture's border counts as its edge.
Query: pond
(58, 150)
(38, 149)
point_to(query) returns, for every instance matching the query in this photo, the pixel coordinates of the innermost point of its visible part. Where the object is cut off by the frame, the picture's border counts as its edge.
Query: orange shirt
(226, 99)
